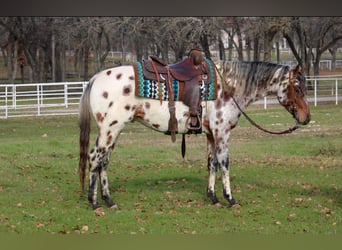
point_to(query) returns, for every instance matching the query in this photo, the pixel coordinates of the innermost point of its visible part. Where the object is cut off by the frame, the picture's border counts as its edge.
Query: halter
(287, 131)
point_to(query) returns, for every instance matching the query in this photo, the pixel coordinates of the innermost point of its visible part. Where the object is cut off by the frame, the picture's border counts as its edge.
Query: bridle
(287, 131)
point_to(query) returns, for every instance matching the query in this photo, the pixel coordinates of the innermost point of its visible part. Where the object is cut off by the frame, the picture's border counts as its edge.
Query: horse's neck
(246, 92)
(246, 95)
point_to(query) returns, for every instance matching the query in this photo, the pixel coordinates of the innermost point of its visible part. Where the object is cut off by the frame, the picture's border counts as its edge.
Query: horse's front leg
(227, 191)
(212, 169)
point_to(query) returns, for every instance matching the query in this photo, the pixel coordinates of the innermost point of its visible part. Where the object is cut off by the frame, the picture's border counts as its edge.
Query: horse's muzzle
(302, 119)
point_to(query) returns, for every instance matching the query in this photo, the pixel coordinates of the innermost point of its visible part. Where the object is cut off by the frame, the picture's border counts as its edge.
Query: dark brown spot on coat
(127, 107)
(147, 105)
(99, 117)
(218, 104)
(127, 90)
(219, 114)
(113, 123)
(156, 125)
(105, 94)
(226, 96)
(131, 78)
(109, 140)
(118, 76)
(109, 72)
(110, 104)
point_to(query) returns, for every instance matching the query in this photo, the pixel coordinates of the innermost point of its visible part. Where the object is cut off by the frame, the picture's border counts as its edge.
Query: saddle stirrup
(188, 123)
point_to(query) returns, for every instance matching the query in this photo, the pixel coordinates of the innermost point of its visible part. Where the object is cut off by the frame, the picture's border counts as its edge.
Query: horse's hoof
(218, 205)
(95, 206)
(114, 207)
(232, 202)
(235, 206)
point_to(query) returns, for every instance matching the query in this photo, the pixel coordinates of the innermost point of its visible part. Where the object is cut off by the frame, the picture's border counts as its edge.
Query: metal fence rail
(42, 99)
(38, 99)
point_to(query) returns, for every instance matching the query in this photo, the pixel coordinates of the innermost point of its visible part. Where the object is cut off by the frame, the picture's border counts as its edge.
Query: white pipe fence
(39, 99)
(43, 99)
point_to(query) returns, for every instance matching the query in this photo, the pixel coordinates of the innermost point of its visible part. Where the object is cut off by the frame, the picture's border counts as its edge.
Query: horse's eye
(298, 90)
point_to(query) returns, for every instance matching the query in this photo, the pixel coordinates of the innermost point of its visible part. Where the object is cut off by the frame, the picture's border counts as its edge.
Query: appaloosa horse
(110, 98)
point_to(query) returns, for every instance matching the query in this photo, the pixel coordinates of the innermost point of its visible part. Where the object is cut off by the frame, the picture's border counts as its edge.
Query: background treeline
(49, 48)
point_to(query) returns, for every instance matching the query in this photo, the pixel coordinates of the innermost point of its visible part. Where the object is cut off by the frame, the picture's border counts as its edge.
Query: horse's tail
(85, 126)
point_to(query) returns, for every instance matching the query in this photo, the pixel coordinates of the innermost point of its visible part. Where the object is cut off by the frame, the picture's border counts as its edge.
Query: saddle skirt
(151, 88)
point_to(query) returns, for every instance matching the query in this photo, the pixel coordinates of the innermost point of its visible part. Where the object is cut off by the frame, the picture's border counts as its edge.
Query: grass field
(287, 184)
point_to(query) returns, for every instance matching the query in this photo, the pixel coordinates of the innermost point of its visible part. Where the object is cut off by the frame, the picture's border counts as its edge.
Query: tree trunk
(316, 63)
(205, 45)
(86, 62)
(333, 52)
(60, 63)
(248, 49)
(123, 49)
(53, 58)
(239, 47)
(221, 49)
(277, 52)
(256, 55)
(267, 47)
(12, 61)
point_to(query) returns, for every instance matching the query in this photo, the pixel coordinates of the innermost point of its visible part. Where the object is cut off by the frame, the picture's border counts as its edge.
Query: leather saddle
(193, 71)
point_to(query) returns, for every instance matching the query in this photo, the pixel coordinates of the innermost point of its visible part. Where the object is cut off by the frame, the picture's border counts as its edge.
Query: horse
(109, 98)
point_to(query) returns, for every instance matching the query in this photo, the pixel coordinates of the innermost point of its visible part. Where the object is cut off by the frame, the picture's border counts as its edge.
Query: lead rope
(287, 131)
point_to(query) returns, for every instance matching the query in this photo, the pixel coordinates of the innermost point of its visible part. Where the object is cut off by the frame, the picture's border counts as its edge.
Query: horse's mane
(248, 76)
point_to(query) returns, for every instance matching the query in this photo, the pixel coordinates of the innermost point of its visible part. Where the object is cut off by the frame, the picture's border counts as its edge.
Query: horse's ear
(294, 71)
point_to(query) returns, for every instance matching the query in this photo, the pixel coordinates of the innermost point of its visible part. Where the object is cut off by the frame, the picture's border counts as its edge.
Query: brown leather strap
(287, 131)
(183, 146)
(172, 108)
(157, 76)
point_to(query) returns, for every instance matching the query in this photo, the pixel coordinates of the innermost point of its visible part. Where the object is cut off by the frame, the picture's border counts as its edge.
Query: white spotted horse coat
(110, 98)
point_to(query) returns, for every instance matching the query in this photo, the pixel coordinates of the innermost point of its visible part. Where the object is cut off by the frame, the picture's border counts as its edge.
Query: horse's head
(292, 96)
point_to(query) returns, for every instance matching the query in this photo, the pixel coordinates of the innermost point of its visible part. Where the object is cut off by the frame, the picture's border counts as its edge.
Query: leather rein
(287, 131)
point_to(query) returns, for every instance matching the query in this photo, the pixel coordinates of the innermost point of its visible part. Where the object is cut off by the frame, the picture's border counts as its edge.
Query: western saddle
(192, 71)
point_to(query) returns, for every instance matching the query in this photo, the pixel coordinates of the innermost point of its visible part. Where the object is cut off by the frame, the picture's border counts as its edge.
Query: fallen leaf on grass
(84, 228)
(99, 212)
(172, 211)
(39, 225)
(299, 200)
(327, 211)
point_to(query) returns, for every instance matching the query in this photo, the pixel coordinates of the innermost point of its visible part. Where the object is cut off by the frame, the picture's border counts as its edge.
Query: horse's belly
(157, 115)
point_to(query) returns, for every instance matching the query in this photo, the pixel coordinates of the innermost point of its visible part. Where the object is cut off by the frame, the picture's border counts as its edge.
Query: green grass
(288, 184)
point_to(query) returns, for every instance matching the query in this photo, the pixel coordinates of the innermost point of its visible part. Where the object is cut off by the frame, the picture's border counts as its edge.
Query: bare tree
(310, 37)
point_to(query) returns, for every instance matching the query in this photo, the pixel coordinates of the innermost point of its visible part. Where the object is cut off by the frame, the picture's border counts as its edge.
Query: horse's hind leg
(98, 162)
(105, 184)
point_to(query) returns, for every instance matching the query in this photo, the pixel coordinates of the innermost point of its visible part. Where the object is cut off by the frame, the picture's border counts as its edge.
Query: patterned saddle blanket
(152, 89)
